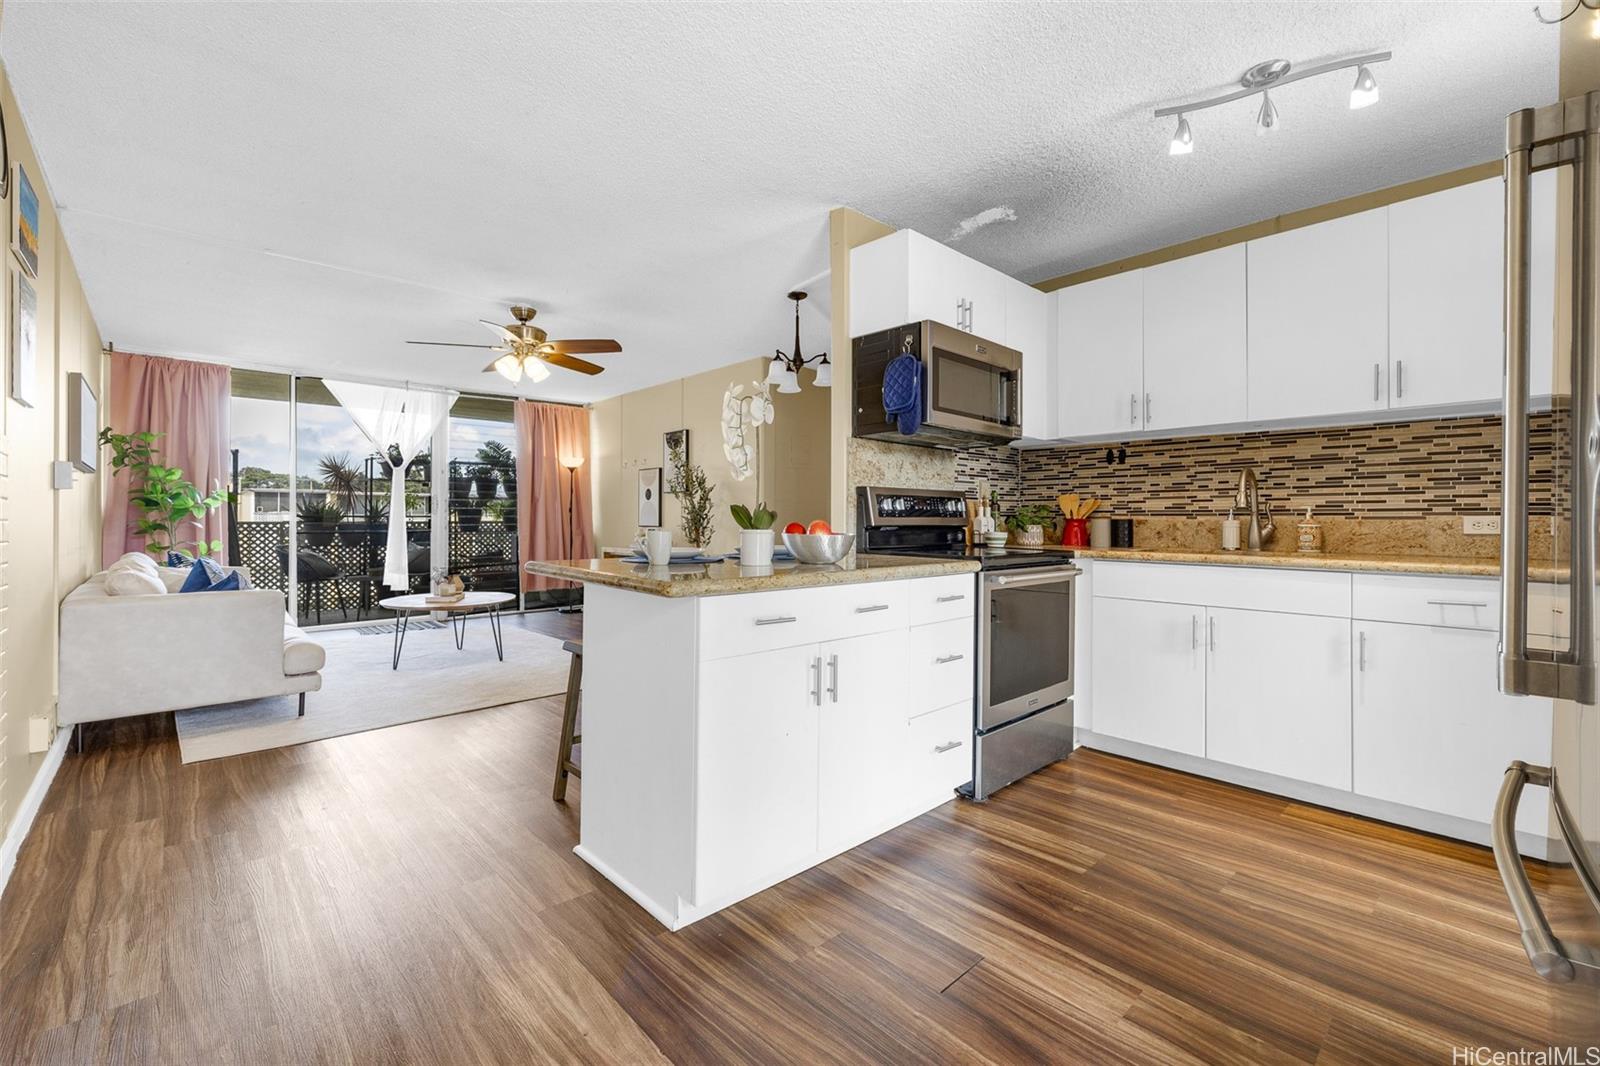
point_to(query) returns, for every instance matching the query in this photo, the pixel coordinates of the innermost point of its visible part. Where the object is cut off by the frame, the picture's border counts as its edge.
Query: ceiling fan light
(1267, 120)
(509, 367)
(1365, 92)
(536, 369)
(1182, 140)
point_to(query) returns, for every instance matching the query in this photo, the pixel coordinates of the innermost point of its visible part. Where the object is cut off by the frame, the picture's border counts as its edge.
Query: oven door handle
(1037, 577)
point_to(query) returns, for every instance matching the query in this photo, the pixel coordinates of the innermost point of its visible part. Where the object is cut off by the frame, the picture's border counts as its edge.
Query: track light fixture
(1273, 74)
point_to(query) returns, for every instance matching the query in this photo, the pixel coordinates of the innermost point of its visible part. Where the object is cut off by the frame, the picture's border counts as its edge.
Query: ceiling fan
(525, 349)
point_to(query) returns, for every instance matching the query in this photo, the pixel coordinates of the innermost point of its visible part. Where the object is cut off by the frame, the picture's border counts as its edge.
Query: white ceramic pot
(755, 547)
(1031, 536)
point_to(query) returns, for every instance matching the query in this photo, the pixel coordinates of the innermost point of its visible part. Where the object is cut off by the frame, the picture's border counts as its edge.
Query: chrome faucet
(1250, 500)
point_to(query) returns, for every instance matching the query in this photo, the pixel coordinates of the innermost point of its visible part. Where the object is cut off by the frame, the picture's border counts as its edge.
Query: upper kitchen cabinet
(1194, 341)
(906, 277)
(1028, 331)
(1446, 293)
(1100, 356)
(1318, 324)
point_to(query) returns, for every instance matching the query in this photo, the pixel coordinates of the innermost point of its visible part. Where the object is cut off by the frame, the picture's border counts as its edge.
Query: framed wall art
(24, 342)
(25, 225)
(83, 415)
(650, 497)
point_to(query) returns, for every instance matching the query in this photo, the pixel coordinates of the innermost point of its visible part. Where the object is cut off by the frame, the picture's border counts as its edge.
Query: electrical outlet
(1477, 525)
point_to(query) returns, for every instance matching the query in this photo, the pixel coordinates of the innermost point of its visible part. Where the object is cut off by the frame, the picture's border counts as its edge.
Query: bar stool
(569, 722)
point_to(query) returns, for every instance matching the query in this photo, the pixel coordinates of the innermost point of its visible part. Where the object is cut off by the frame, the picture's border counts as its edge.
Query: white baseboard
(31, 802)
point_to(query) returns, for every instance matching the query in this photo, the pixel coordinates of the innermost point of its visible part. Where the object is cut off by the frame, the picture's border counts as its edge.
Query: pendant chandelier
(783, 373)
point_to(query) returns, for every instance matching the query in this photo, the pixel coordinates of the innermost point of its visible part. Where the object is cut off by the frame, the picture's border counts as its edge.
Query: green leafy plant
(689, 485)
(760, 518)
(313, 511)
(169, 502)
(342, 478)
(1031, 514)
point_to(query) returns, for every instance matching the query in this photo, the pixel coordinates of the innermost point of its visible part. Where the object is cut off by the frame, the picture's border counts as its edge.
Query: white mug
(658, 546)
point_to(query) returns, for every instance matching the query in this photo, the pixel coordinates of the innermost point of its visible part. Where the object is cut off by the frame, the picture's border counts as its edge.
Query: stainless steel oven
(1025, 673)
(971, 387)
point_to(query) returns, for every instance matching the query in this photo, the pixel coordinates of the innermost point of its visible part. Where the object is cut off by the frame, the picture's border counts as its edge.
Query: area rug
(360, 692)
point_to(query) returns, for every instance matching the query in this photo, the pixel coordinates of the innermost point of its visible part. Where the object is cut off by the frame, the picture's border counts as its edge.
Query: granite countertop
(1447, 565)
(729, 578)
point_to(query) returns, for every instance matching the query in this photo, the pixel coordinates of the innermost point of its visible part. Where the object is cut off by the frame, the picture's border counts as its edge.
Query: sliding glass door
(482, 493)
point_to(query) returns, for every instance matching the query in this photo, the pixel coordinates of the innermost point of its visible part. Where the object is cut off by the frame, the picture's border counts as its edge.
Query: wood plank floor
(410, 895)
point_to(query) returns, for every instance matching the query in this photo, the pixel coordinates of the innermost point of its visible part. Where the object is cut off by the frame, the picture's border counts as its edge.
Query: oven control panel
(902, 506)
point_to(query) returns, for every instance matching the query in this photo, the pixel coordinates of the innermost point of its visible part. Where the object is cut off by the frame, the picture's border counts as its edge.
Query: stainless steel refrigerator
(1550, 493)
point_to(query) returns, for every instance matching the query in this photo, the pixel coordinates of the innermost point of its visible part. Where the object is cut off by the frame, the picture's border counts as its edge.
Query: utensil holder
(1075, 534)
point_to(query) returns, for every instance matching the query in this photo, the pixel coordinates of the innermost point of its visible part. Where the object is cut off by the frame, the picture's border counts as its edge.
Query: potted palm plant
(319, 521)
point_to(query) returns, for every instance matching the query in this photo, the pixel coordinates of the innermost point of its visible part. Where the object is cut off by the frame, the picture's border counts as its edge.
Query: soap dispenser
(1310, 534)
(1230, 532)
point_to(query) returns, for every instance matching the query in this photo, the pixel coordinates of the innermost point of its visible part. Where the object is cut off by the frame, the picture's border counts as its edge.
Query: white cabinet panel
(938, 754)
(1432, 729)
(1028, 331)
(941, 281)
(1318, 319)
(1194, 340)
(1100, 356)
(939, 599)
(939, 669)
(863, 722)
(757, 769)
(880, 278)
(1149, 674)
(1278, 694)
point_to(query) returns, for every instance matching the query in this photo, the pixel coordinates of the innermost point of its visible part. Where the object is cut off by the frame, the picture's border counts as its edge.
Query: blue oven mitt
(902, 392)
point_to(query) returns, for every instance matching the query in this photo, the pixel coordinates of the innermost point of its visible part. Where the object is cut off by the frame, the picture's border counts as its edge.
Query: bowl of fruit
(817, 544)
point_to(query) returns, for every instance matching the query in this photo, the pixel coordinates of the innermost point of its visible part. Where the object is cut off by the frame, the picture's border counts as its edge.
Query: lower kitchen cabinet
(862, 710)
(1431, 729)
(1278, 694)
(1149, 674)
(757, 765)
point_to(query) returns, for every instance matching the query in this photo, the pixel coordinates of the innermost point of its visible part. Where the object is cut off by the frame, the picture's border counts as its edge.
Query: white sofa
(124, 655)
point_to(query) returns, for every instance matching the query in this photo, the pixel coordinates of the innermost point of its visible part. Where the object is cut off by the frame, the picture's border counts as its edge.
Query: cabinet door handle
(1361, 654)
(940, 749)
(1211, 633)
(1377, 382)
(1194, 632)
(833, 678)
(951, 599)
(1456, 603)
(941, 660)
(775, 620)
(1399, 378)
(816, 680)
(872, 607)
(1133, 409)
(1147, 409)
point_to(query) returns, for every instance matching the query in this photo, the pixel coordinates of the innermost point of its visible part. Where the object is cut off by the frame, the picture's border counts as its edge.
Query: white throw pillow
(173, 577)
(134, 560)
(134, 581)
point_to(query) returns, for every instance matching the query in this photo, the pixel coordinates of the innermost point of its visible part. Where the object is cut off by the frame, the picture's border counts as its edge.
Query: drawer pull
(1456, 603)
(951, 746)
(941, 660)
(951, 599)
(775, 620)
(872, 607)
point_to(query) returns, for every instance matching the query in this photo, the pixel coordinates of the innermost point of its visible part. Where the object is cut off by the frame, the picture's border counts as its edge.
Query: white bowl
(995, 540)
(819, 548)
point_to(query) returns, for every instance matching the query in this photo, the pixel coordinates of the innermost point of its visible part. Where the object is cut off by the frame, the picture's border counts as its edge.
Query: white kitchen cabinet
(1278, 694)
(1194, 341)
(1317, 319)
(863, 717)
(1028, 331)
(757, 767)
(1100, 356)
(906, 277)
(1431, 729)
(1149, 673)
(1447, 291)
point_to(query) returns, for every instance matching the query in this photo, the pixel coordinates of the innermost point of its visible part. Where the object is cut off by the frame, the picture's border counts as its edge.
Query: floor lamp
(571, 464)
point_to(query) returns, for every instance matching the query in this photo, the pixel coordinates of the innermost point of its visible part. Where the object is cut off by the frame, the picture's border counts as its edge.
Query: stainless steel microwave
(971, 388)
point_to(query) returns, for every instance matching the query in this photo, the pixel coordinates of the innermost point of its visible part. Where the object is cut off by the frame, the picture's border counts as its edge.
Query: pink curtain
(187, 403)
(551, 439)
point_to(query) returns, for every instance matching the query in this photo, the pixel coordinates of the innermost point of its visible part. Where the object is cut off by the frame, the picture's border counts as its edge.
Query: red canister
(1075, 534)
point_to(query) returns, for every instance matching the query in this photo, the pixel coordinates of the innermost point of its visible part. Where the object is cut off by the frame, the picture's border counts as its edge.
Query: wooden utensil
(1090, 506)
(1068, 504)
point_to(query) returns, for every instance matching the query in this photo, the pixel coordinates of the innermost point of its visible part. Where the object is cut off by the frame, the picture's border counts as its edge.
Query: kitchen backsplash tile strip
(1402, 470)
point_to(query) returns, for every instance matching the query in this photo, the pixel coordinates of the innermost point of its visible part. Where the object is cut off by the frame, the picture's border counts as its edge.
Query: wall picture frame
(680, 438)
(83, 418)
(24, 339)
(650, 497)
(25, 224)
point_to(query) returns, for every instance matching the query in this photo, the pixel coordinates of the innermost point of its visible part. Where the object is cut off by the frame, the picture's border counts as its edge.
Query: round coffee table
(417, 603)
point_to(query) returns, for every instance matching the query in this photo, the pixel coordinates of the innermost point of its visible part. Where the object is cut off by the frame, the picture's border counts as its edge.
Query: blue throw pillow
(206, 575)
(177, 559)
(227, 584)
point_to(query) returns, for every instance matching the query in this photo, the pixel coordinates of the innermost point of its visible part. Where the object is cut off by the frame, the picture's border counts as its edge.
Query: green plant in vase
(755, 533)
(693, 491)
(169, 502)
(1029, 522)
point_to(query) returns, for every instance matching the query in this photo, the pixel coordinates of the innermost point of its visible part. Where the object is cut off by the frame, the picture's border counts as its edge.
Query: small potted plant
(484, 480)
(1027, 524)
(755, 534)
(319, 520)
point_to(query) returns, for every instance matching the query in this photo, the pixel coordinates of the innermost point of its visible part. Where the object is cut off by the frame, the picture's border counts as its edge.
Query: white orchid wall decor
(743, 415)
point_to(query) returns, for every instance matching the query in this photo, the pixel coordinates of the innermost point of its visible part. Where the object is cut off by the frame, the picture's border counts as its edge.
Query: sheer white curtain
(398, 420)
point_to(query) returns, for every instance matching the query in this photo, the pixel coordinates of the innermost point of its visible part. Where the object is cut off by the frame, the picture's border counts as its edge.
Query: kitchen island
(741, 725)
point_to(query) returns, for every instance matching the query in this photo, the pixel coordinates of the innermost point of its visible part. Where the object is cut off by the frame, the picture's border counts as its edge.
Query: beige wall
(52, 539)
(627, 438)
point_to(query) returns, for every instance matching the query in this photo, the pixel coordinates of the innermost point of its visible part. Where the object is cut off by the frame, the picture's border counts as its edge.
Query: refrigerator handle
(1563, 134)
(1552, 960)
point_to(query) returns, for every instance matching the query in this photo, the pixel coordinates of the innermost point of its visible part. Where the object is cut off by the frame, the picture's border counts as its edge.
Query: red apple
(819, 528)
(794, 527)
